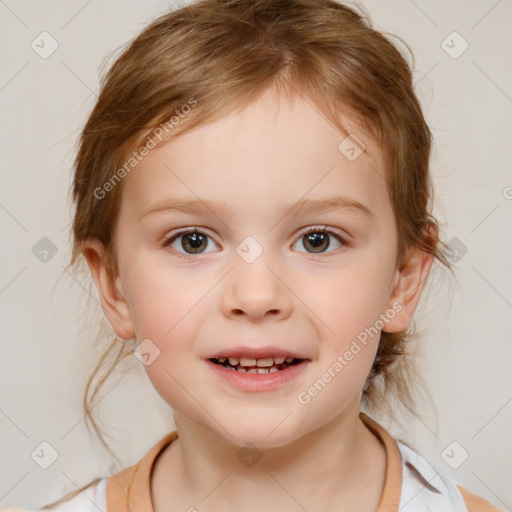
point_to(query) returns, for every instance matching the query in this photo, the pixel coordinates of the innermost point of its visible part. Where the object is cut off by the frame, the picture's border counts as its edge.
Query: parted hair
(215, 56)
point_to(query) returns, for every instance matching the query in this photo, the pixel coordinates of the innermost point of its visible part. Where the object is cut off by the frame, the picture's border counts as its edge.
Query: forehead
(278, 150)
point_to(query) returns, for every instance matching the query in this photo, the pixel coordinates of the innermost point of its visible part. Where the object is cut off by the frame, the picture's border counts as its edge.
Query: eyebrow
(198, 206)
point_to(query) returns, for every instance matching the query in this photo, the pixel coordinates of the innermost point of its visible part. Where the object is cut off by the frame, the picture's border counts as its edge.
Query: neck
(337, 461)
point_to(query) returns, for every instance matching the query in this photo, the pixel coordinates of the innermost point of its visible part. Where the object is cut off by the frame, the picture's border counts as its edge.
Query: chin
(263, 430)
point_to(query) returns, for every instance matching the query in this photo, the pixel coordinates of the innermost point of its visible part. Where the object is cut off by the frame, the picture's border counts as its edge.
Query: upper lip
(255, 353)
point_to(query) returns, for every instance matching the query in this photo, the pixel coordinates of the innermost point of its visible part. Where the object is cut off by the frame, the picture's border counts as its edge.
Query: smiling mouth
(251, 365)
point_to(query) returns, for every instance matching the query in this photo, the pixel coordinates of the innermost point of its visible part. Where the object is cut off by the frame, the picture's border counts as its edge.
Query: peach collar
(129, 489)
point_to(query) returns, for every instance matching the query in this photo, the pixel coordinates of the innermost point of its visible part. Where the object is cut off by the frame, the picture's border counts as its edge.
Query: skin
(256, 161)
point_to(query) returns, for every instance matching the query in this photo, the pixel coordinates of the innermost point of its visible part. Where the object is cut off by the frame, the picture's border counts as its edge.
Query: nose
(256, 290)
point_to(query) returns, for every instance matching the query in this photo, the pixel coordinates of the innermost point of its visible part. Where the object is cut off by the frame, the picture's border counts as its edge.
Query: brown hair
(219, 55)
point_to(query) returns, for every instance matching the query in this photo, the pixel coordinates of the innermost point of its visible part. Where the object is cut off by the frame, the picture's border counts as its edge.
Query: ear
(110, 289)
(407, 287)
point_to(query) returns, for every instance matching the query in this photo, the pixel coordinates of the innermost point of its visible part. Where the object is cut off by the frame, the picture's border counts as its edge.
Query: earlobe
(110, 289)
(407, 287)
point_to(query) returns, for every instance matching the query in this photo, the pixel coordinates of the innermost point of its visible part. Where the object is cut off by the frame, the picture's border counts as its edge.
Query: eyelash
(313, 229)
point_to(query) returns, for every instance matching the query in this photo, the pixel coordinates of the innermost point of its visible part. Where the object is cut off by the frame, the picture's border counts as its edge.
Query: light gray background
(46, 353)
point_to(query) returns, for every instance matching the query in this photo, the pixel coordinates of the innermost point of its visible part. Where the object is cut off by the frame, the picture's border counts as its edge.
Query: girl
(253, 202)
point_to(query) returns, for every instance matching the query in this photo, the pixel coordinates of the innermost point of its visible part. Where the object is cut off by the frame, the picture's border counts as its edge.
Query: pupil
(316, 240)
(194, 240)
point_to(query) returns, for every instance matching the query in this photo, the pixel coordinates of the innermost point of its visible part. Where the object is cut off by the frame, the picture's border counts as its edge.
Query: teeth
(264, 362)
(253, 365)
(247, 361)
(268, 361)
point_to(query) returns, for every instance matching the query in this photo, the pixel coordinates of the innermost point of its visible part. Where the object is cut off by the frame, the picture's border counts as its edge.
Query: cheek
(348, 302)
(172, 322)
(168, 309)
(346, 311)
(161, 300)
(349, 341)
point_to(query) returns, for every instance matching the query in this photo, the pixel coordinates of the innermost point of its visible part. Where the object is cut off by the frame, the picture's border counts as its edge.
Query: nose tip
(240, 312)
(256, 291)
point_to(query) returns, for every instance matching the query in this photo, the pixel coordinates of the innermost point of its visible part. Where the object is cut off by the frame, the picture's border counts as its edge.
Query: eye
(318, 239)
(191, 240)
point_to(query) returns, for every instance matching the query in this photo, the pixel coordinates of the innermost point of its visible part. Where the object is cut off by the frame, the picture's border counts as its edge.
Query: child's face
(250, 168)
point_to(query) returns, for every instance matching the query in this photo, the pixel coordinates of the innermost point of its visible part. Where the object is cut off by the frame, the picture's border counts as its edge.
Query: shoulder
(476, 503)
(93, 499)
(424, 488)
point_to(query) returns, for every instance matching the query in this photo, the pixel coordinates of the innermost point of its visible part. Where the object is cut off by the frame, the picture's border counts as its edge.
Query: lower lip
(257, 382)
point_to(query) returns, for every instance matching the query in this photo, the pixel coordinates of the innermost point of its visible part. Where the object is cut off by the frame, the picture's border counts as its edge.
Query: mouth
(261, 365)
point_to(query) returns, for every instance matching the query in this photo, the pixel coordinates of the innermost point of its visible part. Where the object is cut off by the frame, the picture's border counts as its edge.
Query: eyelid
(342, 238)
(176, 234)
(302, 232)
(184, 231)
(323, 227)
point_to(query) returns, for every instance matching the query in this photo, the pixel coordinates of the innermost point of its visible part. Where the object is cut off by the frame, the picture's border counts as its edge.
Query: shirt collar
(130, 489)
